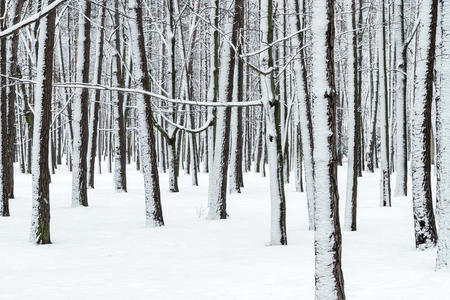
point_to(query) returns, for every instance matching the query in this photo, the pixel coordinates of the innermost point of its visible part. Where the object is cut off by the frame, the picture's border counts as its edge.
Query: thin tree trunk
(80, 109)
(120, 179)
(95, 104)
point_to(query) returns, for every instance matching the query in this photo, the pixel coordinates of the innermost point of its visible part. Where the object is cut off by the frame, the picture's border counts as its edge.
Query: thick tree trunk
(153, 210)
(443, 144)
(424, 223)
(271, 105)
(329, 277)
(217, 191)
(40, 216)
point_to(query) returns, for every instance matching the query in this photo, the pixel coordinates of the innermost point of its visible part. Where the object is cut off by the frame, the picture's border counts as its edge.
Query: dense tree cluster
(229, 87)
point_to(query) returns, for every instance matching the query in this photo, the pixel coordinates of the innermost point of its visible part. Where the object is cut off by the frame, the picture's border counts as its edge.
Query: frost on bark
(424, 223)
(304, 111)
(40, 216)
(80, 104)
(147, 151)
(385, 180)
(328, 275)
(4, 203)
(443, 144)
(352, 100)
(93, 120)
(401, 184)
(271, 108)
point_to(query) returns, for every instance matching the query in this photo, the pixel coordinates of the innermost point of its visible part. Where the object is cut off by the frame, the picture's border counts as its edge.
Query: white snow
(105, 251)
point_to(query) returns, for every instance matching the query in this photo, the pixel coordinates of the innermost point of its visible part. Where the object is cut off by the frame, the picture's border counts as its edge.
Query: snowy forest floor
(106, 252)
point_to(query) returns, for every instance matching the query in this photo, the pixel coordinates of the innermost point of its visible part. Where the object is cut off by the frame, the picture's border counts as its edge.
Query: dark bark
(41, 194)
(332, 99)
(3, 119)
(151, 178)
(425, 225)
(11, 129)
(120, 178)
(96, 104)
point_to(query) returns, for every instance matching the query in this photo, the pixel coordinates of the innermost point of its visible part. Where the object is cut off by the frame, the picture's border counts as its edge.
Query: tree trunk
(329, 277)
(401, 184)
(304, 116)
(443, 144)
(95, 104)
(353, 116)
(4, 203)
(153, 210)
(217, 191)
(80, 109)
(120, 178)
(272, 110)
(424, 223)
(40, 216)
(385, 187)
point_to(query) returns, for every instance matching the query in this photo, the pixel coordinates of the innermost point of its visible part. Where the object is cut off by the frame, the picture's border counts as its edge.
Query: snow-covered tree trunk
(213, 89)
(4, 203)
(298, 159)
(14, 45)
(40, 215)
(401, 184)
(147, 151)
(272, 109)
(217, 190)
(385, 181)
(443, 143)
(235, 187)
(424, 223)
(80, 104)
(95, 104)
(120, 179)
(304, 111)
(171, 89)
(329, 277)
(236, 181)
(352, 99)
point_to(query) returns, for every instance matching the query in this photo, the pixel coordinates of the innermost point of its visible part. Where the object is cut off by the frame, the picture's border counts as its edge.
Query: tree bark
(40, 219)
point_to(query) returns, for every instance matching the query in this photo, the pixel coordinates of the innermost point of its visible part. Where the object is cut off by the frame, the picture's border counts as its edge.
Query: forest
(225, 149)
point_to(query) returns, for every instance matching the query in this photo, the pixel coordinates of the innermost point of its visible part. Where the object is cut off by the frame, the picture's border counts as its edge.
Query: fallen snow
(106, 252)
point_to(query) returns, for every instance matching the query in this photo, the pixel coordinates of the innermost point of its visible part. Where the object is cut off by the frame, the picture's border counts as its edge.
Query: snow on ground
(106, 252)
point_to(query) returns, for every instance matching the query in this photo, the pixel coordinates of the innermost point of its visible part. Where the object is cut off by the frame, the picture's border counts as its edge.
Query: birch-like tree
(80, 104)
(327, 235)
(40, 216)
(443, 143)
(424, 223)
(153, 210)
